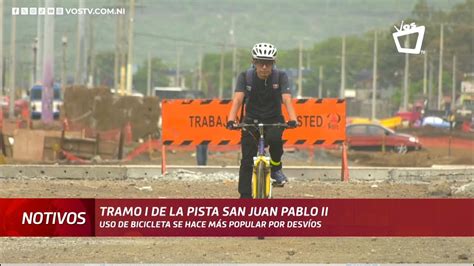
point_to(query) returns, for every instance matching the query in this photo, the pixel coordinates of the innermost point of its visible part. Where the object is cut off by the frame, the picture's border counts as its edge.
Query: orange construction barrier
(202, 121)
(73, 158)
(151, 144)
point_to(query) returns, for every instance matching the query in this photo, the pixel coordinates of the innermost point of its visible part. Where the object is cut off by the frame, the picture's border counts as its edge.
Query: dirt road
(229, 250)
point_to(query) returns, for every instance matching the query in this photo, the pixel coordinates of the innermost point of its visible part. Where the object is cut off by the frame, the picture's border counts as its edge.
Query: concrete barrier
(458, 173)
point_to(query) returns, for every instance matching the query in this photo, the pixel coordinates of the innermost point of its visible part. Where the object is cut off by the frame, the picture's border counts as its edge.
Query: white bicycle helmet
(264, 51)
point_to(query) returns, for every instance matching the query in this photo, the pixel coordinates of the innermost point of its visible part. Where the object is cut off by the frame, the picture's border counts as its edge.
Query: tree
(105, 68)
(422, 11)
(159, 75)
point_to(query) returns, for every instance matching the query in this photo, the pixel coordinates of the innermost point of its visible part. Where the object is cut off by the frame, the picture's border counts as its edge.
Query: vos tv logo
(407, 30)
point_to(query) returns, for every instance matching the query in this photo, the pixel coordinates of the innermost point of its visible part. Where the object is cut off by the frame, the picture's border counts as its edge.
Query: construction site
(115, 117)
(99, 155)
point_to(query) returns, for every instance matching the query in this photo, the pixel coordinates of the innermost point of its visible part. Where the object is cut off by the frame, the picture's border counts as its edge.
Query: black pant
(249, 143)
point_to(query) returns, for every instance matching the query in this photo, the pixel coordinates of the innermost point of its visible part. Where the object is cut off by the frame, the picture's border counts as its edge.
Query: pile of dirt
(99, 109)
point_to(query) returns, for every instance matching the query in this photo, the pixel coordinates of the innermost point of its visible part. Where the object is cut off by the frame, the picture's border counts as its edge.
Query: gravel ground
(187, 184)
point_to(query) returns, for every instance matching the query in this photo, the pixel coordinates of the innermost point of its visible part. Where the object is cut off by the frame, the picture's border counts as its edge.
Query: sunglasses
(264, 62)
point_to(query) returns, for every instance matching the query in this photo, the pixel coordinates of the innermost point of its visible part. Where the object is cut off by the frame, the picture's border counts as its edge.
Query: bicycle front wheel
(260, 181)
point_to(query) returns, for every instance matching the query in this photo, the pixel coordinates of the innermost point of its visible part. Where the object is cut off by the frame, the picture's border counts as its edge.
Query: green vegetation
(164, 26)
(458, 40)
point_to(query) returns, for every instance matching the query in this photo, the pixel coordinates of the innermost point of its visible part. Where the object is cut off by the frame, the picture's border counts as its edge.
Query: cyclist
(264, 89)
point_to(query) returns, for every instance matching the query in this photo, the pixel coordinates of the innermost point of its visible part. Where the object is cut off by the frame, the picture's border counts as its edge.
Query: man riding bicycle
(264, 89)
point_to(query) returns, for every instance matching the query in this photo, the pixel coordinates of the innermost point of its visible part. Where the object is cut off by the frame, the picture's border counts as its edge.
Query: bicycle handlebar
(256, 125)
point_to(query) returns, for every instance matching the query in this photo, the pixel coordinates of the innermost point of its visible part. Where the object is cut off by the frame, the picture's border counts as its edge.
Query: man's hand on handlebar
(231, 125)
(292, 124)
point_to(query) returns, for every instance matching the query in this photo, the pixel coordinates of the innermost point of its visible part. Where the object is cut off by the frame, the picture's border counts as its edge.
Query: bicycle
(261, 181)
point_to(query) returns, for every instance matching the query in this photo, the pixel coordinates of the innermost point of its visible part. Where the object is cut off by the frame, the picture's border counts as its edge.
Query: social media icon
(15, 11)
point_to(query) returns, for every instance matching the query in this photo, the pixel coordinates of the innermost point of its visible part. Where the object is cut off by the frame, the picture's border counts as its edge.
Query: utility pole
(117, 53)
(123, 78)
(234, 55)
(123, 45)
(1, 48)
(221, 73)
(308, 59)
(300, 71)
(35, 59)
(453, 96)
(343, 68)
(63, 66)
(425, 70)
(148, 80)
(12, 66)
(405, 76)
(48, 67)
(200, 70)
(178, 70)
(91, 55)
(130, 48)
(320, 87)
(39, 41)
(80, 47)
(430, 85)
(374, 77)
(234, 66)
(440, 72)
(33, 65)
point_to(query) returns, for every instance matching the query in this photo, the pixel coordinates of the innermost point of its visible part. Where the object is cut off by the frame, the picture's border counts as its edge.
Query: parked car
(435, 121)
(36, 94)
(373, 137)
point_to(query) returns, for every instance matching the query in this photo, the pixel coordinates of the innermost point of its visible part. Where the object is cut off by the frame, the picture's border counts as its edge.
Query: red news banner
(233, 217)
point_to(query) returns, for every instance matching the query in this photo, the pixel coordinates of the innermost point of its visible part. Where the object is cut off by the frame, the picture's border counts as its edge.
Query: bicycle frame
(261, 182)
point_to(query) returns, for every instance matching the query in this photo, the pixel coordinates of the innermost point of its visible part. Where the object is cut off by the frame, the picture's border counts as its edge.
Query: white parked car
(435, 121)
